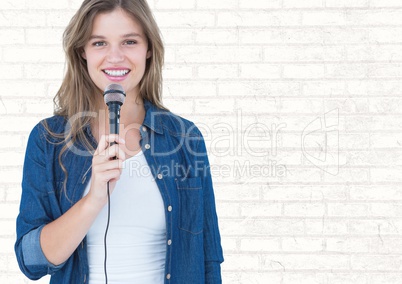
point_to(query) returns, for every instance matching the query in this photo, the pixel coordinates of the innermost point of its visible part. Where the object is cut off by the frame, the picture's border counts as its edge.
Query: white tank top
(136, 240)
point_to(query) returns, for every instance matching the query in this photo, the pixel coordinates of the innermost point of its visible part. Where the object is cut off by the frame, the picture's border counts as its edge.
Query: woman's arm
(60, 238)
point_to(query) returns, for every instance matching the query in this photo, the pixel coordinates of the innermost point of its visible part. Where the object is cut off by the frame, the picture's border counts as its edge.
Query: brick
(385, 140)
(229, 245)
(260, 244)
(189, 89)
(217, 5)
(258, 88)
(305, 54)
(386, 210)
(44, 71)
(258, 18)
(346, 70)
(302, 244)
(228, 210)
(306, 262)
(243, 262)
(8, 141)
(326, 226)
(260, 71)
(304, 209)
(25, 124)
(304, 71)
(216, 36)
(177, 36)
(384, 278)
(177, 72)
(375, 227)
(385, 106)
(385, 175)
(302, 4)
(323, 88)
(304, 278)
(7, 245)
(11, 18)
(11, 36)
(184, 19)
(233, 192)
(348, 245)
(44, 36)
(252, 210)
(323, 18)
(175, 4)
(251, 277)
(376, 193)
(221, 71)
(47, 4)
(260, 4)
(11, 71)
(13, 4)
(344, 210)
(385, 34)
(305, 193)
(347, 278)
(58, 18)
(262, 227)
(261, 36)
(9, 211)
(181, 106)
(375, 262)
(202, 54)
(347, 4)
(11, 159)
(386, 3)
(34, 55)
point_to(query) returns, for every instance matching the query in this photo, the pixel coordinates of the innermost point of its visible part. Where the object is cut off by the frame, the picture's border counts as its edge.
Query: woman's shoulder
(175, 123)
(166, 120)
(48, 127)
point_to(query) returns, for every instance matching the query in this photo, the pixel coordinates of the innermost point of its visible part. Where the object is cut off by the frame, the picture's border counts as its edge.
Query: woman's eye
(130, 42)
(98, 43)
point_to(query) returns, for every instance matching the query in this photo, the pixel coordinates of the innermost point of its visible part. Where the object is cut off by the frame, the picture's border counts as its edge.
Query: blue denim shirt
(176, 154)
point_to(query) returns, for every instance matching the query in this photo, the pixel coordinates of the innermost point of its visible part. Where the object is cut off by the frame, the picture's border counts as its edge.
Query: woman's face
(117, 52)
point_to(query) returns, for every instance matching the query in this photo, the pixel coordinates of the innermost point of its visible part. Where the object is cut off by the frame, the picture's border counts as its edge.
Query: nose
(115, 54)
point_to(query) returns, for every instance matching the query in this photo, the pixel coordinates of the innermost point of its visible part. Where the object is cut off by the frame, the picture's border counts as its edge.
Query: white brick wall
(319, 198)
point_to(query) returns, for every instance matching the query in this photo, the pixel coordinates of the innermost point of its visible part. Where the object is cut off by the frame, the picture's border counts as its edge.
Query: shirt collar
(153, 117)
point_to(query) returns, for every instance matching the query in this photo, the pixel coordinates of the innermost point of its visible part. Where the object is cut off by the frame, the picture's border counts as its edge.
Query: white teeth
(116, 73)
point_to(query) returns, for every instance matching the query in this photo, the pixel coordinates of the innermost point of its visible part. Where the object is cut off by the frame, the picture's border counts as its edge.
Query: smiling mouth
(116, 73)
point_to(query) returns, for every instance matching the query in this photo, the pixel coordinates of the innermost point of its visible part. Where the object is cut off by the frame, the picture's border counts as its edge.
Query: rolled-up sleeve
(35, 209)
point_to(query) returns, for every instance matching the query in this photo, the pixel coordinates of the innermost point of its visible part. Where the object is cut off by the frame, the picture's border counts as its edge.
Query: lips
(116, 72)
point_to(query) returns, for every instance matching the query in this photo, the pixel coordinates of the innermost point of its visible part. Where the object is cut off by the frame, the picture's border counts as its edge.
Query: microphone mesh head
(114, 93)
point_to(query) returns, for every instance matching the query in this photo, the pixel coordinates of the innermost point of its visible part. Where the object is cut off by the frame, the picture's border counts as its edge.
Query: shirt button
(170, 208)
(160, 176)
(169, 242)
(147, 146)
(144, 129)
(168, 276)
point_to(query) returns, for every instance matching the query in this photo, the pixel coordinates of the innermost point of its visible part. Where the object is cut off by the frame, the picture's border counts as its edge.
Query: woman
(163, 223)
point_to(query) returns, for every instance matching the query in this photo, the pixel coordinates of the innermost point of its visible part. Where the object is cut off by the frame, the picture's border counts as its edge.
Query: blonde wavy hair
(78, 94)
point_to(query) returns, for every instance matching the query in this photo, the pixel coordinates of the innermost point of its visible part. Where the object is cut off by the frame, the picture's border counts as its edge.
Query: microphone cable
(106, 230)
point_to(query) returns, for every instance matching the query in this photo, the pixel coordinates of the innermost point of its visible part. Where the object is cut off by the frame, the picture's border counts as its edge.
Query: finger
(106, 140)
(108, 166)
(114, 152)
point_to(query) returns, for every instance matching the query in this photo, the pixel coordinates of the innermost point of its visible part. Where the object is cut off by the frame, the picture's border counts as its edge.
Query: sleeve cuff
(32, 251)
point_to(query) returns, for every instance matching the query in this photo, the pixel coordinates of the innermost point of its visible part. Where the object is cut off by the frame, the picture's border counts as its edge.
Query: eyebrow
(124, 36)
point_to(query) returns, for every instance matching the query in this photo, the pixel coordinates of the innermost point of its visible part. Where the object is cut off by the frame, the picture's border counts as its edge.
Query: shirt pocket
(190, 205)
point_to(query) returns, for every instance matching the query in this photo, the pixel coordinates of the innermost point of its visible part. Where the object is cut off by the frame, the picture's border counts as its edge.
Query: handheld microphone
(114, 96)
